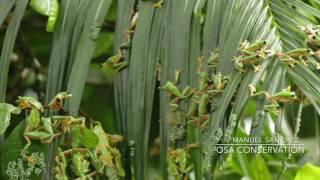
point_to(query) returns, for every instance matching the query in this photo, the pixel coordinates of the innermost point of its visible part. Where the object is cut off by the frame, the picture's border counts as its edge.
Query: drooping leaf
(41, 6)
(5, 115)
(48, 8)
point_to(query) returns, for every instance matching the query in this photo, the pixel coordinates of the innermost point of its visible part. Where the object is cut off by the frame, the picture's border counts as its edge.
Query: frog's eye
(257, 56)
(264, 42)
(58, 100)
(293, 95)
(308, 50)
(313, 37)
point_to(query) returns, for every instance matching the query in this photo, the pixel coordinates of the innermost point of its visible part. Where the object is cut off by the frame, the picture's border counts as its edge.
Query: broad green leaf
(13, 146)
(5, 115)
(309, 172)
(88, 138)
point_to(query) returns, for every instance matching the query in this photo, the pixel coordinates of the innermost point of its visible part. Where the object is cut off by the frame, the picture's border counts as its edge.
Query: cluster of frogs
(253, 55)
(196, 102)
(196, 111)
(85, 150)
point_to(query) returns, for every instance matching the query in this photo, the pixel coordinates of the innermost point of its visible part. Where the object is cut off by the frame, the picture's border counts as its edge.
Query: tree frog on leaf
(292, 57)
(60, 169)
(80, 165)
(250, 49)
(297, 53)
(65, 122)
(178, 163)
(219, 82)
(116, 63)
(284, 96)
(29, 103)
(175, 93)
(213, 59)
(242, 63)
(57, 102)
(38, 128)
(105, 157)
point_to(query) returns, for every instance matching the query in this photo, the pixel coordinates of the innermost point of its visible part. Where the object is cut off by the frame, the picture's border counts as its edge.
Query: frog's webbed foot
(257, 68)
(273, 109)
(118, 67)
(252, 89)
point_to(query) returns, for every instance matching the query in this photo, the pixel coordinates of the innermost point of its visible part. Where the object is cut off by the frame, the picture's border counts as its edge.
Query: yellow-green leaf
(308, 171)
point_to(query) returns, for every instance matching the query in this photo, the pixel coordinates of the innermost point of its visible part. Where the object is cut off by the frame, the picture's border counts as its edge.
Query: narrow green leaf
(5, 7)
(60, 48)
(8, 45)
(86, 46)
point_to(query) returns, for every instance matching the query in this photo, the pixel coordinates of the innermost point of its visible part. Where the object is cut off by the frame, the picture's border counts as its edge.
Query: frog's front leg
(158, 4)
(253, 92)
(303, 61)
(51, 138)
(174, 107)
(256, 68)
(119, 66)
(187, 92)
(188, 169)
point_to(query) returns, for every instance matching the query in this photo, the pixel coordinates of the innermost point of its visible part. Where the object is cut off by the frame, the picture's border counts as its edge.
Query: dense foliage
(145, 89)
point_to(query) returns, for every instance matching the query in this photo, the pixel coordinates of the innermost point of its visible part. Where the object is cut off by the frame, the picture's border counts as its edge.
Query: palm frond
(85, 49)
(5, 8)
(142, 78)
(8, 45)
(60, 48)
